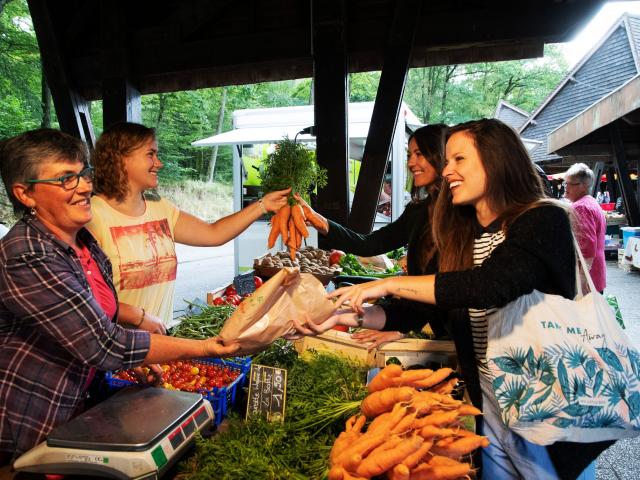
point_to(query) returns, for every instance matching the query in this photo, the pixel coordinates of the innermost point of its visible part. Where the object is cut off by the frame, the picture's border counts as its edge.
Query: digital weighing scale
(136, 434)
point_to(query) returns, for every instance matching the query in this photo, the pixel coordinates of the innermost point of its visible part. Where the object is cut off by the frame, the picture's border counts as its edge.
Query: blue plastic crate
(221, 399)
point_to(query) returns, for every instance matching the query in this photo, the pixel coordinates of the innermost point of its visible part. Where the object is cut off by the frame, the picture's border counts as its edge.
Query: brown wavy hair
(431, 140)
(512, 187)
(115, 143)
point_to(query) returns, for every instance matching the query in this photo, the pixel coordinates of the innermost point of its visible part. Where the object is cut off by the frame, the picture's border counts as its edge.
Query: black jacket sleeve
(383, 240)
(537, 253)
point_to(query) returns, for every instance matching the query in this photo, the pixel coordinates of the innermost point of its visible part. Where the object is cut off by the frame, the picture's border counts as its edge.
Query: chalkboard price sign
(244, 283)
(267, 392)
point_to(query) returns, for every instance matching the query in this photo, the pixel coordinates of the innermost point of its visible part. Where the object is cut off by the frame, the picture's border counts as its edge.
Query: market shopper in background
(139, 234)
(58, 306)
(425, 159)
(591, 225)
(498, 238)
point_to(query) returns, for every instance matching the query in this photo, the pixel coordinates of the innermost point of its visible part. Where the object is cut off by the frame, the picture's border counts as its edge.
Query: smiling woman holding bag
(499, 241)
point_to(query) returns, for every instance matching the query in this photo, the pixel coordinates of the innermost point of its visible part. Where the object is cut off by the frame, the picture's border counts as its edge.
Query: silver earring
(33, 211)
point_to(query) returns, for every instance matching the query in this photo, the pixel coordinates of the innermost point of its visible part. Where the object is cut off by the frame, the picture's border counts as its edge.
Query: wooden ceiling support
(121, 99)
(72, 109)
(598, 170)
(620, 164)
(385, 115)
(331, 97)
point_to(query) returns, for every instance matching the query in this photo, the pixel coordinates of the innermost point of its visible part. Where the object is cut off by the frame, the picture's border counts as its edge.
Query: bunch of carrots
(290, 222)
(415, 432)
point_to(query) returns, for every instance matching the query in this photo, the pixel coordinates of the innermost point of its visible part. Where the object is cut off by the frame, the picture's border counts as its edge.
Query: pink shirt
(592, 227)
(101, 291)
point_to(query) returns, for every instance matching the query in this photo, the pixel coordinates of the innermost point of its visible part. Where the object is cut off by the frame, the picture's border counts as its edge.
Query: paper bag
(266, 315)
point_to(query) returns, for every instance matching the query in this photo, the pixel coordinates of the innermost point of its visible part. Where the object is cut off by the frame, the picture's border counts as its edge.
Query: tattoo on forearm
(409, 290)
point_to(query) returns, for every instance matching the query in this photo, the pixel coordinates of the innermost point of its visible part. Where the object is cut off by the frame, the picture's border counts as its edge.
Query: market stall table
(632, 252)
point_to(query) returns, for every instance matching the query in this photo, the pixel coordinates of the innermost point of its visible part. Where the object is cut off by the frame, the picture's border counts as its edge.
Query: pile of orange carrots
(415, 433)
(290, 223)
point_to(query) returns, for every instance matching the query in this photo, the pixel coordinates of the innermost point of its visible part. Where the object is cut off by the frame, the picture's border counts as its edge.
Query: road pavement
(622, 460)
(201, 269)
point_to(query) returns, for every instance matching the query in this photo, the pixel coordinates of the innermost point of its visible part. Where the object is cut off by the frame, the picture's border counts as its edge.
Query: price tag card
(267, 392)
(244, 283)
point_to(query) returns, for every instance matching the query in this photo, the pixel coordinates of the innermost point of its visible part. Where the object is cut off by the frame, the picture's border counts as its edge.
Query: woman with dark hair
(425, 159)
(138, 234)
(58, 306)
(498, 238)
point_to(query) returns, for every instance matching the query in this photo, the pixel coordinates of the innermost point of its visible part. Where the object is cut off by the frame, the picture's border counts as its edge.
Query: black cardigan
(409, 230)
(406, 230)
(537, 253)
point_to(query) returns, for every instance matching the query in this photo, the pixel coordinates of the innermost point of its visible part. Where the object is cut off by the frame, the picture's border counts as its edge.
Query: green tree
(20, 71)
(363, 86)
(458, 93)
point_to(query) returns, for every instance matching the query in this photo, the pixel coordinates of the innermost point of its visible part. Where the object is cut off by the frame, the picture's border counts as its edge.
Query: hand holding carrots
(274, 201)
(290, 223)
(313, 218)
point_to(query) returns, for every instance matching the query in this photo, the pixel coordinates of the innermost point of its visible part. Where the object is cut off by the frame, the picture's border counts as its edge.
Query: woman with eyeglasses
(139, 232)
(58, 305)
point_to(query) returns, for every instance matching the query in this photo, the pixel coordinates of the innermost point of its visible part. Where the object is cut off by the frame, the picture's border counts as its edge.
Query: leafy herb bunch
(292, 165)
(323, 390)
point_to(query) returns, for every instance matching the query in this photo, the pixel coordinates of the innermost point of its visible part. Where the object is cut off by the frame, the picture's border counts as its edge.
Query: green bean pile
(205, 324)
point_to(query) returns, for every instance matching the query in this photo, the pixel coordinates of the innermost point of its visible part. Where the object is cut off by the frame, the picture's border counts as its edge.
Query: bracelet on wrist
(261, 203)
(141, 318)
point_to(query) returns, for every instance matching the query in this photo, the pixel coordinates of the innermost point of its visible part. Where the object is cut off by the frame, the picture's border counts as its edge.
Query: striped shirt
(484, 244)
(52, 332)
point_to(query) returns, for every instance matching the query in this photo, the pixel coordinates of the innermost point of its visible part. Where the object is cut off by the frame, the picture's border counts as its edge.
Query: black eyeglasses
(70, 181)
(573, 184)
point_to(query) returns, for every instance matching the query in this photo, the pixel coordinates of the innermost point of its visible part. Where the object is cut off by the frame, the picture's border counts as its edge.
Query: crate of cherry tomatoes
(215, 379)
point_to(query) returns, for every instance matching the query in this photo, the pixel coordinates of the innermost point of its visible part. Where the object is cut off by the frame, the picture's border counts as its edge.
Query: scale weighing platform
(138, 433)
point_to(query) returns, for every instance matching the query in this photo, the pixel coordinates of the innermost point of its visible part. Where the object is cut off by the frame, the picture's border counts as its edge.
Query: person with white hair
(591, 224)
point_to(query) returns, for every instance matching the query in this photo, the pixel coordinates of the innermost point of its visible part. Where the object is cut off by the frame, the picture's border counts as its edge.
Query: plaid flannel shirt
(52, 332)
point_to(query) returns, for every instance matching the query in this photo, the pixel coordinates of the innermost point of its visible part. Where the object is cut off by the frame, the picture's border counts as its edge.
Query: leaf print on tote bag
(564, 370)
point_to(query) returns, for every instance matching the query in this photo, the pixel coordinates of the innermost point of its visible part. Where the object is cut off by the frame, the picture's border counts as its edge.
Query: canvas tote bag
(564, 370)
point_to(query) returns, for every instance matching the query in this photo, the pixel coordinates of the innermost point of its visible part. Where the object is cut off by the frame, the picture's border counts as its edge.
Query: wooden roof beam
(385, 115)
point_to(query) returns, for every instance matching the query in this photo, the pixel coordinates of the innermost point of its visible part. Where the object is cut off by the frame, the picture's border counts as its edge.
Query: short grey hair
(580, 172)
(22, 156)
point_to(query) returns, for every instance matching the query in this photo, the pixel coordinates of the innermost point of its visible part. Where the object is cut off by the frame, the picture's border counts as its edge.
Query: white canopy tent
(270, 125)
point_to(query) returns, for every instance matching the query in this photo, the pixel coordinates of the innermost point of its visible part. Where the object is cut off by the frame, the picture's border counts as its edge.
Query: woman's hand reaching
(152, 324)
(376, 338)
(215, 347)
(354, 296)
(152, 377)
(306, 327)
